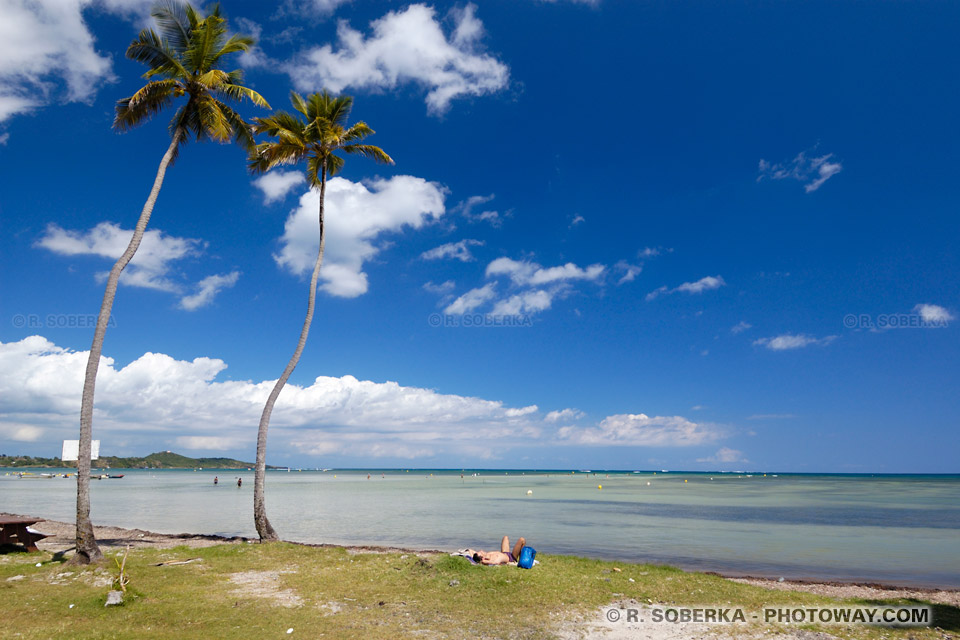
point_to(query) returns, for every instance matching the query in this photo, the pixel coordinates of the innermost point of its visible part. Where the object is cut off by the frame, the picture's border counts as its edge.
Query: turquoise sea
(890, 529)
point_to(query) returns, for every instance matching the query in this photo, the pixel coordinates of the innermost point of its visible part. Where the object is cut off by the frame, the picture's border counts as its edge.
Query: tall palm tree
(183, 60)
(316, 138)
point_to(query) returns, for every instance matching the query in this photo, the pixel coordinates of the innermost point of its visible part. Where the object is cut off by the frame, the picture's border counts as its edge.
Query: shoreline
(61, 541)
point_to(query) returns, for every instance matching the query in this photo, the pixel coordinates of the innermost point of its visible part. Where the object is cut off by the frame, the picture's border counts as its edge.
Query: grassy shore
(261, 591)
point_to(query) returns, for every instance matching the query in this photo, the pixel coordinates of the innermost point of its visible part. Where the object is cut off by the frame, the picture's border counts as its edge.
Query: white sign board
(71, 450)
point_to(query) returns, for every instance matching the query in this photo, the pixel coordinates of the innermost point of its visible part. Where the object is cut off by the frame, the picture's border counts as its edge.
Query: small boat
(114, 477)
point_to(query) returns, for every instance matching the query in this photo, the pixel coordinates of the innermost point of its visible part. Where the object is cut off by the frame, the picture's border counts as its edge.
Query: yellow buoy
(684, 480)
(599, 486)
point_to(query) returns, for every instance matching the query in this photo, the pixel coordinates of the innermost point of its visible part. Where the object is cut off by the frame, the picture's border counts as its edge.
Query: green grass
(342, 595)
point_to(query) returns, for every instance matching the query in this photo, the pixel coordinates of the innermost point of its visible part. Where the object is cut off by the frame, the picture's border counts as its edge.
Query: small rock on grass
(113, 598)
(454, 583)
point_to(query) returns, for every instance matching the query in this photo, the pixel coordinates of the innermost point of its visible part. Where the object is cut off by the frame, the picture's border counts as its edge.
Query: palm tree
(183, 61)
(316, 140)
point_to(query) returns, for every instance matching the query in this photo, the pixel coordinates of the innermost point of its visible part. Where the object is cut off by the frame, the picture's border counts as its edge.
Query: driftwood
(170, 563)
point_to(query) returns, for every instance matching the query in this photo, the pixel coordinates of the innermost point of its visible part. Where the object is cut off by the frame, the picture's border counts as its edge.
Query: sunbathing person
(504, 556)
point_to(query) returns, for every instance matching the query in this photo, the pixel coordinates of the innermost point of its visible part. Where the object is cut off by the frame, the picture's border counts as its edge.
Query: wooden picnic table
(13, 530)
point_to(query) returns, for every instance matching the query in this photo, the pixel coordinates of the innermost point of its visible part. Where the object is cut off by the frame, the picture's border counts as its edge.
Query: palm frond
(368, 151)
(336, 109)
(152, 51)
(298, 103)
(198, 56)
(213, 78)
(236, 44)
(282, 124)
(150, 99)
(214, 119)
(173, 22)
(271, 154)
(242, 130)
(334, 165)
(357, 132)
(315, 170)
(237, 92)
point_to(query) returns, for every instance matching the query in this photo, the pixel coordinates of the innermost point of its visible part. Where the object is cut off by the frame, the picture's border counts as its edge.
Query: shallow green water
(893, 529)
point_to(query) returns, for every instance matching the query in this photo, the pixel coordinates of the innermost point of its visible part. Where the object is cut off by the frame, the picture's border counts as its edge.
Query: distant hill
(159, 460)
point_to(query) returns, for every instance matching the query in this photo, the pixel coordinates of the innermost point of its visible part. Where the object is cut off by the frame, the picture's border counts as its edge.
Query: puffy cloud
(405, 46)
(207, 290)
(535, 287)
(725, 455)
(528, 302)
(275, 185)
(453, 250)
(703, 284)
(523, 272)
(933, 314)
(150, 266)
(472, 299)
(157, 401)
(48, 53)
(642, 430)
(355, 216)
(787, 341)
(563, 414)
(811, 171)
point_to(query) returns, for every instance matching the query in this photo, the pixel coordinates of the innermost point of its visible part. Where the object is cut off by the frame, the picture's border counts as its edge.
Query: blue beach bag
(527, 554)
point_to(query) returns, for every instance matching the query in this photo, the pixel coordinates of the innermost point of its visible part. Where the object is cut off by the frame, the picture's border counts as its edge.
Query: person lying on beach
(504, 556)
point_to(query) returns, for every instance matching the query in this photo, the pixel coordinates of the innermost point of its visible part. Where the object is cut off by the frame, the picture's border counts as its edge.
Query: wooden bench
(14, 531)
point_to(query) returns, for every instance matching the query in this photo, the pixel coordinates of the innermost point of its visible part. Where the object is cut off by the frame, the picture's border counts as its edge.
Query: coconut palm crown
(317, 137)
(316, 140)
(183, 59)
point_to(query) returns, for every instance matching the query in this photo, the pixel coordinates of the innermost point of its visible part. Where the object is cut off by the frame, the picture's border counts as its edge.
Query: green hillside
(159, 460)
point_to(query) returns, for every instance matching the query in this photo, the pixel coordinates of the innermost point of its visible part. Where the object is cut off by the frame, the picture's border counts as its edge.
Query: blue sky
(684, 227)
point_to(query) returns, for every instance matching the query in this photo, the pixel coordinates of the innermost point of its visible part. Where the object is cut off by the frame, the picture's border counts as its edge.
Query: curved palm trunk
(87, 548)
(264, 528)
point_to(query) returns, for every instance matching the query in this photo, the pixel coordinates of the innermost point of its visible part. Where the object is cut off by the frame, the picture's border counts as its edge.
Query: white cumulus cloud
(157, 401)
(532, 287)
(150, 266)
(404, 46)
(355, 216)
(933, 314)
(47, 52)
(472, 299)
(275, 185)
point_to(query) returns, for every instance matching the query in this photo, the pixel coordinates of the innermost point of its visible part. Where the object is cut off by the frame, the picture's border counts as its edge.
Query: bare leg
(505, 545)
(517, 548)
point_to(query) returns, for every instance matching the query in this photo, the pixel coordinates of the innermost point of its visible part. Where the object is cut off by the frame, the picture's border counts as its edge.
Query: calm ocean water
(892, 529)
